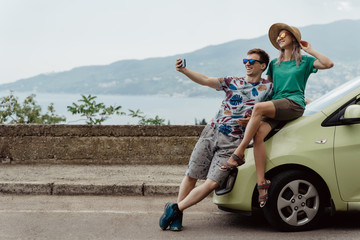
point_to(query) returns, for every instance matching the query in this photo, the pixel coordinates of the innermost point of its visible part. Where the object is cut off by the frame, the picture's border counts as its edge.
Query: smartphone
(183, 63)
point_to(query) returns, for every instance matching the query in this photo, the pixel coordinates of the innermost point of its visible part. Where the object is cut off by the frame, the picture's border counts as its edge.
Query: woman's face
(284, 39)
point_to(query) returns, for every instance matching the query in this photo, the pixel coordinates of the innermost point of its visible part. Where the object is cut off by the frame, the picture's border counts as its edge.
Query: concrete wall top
(58, 130)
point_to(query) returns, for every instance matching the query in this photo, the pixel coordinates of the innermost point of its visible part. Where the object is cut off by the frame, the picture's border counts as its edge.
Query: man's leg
(197, 194)
(186, 186)
(215, 177)
(198, 167)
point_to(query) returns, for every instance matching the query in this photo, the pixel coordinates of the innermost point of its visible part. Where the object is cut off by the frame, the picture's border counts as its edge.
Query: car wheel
(295, 202)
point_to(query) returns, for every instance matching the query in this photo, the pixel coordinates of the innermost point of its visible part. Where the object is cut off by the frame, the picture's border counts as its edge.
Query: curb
(30, 188)
(25, 188)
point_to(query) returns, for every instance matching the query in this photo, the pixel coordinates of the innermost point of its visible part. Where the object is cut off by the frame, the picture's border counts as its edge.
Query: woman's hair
(296, 53)
(264, 57)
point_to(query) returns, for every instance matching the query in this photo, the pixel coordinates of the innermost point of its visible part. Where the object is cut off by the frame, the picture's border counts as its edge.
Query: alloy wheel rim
(298, 202)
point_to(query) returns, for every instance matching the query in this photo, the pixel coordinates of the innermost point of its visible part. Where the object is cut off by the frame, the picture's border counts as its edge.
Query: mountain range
(157, 76)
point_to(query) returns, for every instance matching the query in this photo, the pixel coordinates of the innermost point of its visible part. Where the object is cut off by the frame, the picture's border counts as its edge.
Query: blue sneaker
(171, 211)
(176, 225)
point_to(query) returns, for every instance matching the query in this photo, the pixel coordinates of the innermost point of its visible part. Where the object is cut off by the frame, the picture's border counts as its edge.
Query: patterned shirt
(240, 99)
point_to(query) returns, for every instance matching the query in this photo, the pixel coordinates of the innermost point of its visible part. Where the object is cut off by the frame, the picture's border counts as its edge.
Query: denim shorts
(211, 151)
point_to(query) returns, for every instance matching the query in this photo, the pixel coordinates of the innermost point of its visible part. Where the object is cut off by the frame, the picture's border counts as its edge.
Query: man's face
(256, 68)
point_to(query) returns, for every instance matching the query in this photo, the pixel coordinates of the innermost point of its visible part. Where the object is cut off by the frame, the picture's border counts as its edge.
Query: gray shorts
(211, 151)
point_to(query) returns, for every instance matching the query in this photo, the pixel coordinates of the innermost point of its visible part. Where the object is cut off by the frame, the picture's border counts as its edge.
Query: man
(221, 136)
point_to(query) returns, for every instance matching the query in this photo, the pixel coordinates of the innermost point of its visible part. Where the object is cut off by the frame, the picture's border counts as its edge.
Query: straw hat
(276, 28)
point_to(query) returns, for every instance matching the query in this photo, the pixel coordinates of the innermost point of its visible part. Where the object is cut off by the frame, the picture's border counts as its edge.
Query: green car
(313, 163)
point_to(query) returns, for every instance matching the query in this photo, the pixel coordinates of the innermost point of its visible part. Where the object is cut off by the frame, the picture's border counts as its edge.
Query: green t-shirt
(289, 80)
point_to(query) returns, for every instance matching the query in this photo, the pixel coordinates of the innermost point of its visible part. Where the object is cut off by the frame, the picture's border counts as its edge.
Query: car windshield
(331, 97)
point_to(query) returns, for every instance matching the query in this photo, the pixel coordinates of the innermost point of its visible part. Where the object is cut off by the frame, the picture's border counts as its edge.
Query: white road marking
(102, 211)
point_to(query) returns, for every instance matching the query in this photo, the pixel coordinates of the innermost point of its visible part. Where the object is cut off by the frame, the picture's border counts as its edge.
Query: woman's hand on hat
(306, 46)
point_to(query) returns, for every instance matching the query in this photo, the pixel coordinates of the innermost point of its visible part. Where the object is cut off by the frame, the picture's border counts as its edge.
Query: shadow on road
(340, 221)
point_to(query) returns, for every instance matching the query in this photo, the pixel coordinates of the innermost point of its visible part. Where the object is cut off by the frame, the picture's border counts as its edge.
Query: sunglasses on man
(251, 61)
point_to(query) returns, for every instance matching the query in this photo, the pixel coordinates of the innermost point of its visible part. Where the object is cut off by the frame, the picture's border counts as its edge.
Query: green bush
(95, 113)
(12, 112)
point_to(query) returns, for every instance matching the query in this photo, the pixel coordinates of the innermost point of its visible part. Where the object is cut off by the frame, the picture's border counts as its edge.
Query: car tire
(296, 202)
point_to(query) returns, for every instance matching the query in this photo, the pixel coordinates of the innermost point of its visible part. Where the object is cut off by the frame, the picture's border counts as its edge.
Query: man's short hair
(264, 57)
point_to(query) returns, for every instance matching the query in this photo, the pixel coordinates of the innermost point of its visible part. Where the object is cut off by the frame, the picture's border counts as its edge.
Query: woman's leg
(260, 154)
(263, 109)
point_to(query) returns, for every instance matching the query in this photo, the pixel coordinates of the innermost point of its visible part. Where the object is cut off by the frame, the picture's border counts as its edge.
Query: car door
(347, 158)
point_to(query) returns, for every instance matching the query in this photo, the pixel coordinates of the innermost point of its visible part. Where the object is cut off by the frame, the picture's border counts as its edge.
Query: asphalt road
(93, 217)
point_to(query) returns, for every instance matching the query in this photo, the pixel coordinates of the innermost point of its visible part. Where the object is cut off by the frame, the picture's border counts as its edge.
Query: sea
(175, 110)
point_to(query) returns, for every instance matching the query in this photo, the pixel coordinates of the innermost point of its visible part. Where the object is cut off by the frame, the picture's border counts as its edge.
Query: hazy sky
(42, 36)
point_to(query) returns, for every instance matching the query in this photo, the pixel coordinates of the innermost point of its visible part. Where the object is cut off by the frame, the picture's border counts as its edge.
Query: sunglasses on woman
(282, 36)
(250, 61)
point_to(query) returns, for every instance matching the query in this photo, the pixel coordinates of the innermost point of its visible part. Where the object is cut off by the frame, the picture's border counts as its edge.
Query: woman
(289, 74)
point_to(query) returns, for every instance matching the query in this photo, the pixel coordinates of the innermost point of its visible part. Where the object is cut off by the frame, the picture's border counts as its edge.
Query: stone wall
(106, 144)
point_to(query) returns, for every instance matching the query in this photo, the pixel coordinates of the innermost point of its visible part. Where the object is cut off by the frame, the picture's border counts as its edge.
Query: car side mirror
(351, 115)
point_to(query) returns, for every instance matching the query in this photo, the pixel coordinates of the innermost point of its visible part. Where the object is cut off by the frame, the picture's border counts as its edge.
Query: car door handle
(323, 141)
